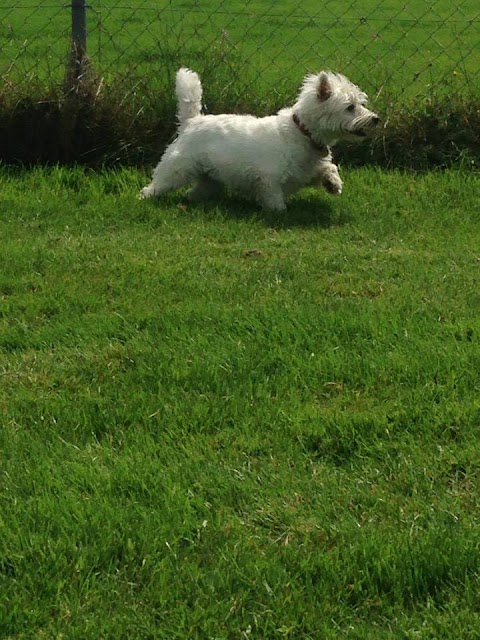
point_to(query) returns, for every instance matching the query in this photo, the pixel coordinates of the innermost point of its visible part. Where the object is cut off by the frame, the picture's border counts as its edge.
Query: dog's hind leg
(169, 174)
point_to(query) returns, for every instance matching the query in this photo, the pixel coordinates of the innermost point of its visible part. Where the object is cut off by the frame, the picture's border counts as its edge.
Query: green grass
(256, 51)
(415, 60)
(220, 423)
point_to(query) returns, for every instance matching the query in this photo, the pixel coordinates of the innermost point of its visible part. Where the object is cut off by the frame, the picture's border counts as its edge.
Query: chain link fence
(396, 50)
(408, 55)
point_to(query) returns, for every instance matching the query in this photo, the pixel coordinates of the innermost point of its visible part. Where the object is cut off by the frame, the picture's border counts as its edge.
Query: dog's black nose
(375, 121)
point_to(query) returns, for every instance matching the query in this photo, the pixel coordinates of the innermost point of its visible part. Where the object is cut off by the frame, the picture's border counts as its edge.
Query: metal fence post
(79, 25)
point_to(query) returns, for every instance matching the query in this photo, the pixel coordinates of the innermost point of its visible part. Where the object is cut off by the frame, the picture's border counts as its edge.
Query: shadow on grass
(308, 209)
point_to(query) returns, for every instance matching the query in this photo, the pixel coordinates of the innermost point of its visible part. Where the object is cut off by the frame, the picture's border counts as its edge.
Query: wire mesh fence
(92, 81)
(397, 50)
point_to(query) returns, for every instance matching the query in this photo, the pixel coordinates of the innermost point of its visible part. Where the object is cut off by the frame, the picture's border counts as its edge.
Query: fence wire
(397, 49)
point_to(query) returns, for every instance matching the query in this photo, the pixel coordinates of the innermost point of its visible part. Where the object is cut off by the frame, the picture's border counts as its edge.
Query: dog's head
(334, 108)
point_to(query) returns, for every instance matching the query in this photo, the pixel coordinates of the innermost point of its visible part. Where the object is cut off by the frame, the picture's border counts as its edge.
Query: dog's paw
(333, 184)
(146, 192)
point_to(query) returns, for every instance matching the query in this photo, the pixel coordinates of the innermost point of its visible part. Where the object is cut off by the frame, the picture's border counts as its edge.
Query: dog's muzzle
(361, 131)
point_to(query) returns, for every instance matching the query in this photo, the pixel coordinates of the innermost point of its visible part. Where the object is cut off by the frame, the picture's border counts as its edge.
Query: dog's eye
(351, 107)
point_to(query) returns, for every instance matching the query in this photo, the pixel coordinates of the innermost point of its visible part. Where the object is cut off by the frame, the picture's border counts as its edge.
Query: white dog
(268, 158)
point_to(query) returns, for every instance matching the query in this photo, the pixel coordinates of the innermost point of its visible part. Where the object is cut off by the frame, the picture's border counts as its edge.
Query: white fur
(265, 158)
(189, 94)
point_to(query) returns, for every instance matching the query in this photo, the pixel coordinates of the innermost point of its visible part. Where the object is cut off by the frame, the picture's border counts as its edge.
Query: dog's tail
(189, 95)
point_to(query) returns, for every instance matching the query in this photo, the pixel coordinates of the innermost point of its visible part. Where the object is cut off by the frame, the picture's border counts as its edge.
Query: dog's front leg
(327, 175)
(269, 194)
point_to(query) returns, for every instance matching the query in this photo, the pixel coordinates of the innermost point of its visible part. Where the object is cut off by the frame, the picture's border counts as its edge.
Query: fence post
(79, 25)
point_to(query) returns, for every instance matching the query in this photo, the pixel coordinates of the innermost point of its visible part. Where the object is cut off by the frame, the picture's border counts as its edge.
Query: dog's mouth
(363, 131)
(355, 134)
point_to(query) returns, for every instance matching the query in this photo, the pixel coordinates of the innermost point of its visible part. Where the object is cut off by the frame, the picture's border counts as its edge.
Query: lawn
(221, 423)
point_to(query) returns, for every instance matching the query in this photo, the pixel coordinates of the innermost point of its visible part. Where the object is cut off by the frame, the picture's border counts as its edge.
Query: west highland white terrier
(266, 158)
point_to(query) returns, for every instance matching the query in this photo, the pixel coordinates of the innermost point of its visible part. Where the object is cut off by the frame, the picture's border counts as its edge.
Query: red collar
(301, 127)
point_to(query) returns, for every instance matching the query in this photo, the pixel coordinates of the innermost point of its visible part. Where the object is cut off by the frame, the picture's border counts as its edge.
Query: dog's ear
(324, 91)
